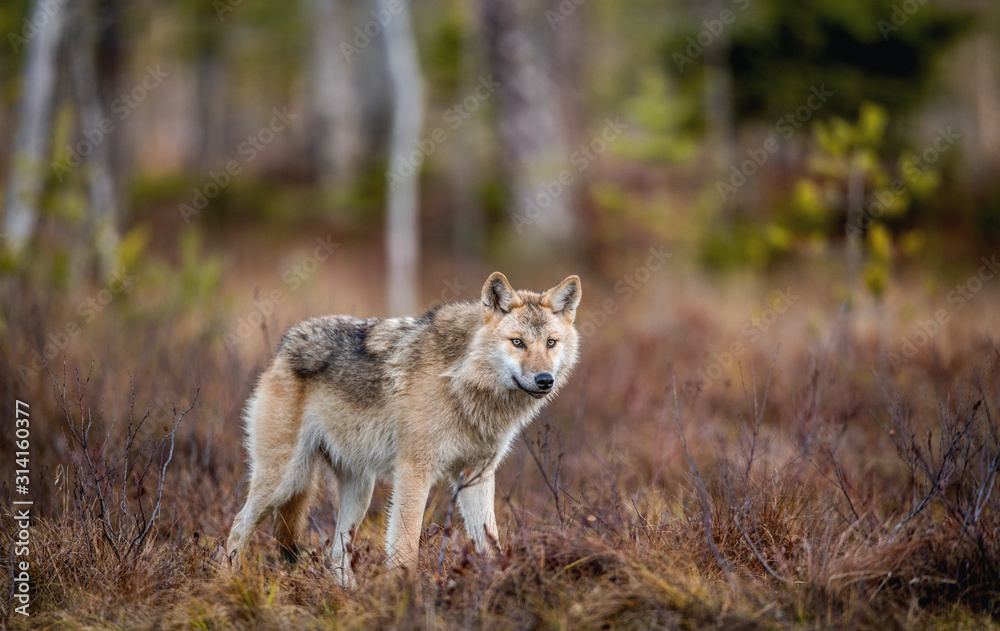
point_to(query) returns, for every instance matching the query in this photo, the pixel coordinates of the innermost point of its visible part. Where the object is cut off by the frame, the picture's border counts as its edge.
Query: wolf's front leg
(355, 496)
(476, 503)
(411, 486)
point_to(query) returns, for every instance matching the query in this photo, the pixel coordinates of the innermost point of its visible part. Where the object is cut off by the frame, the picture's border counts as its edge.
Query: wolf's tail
(300, 349)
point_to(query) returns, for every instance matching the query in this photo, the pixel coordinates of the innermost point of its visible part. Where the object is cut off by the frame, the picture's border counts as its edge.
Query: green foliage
(14, 18)
(847, 166)
(173, 289)
(252, 198)
(850, 46)
(444, 31)
(846, 161)
(746, 245)
(986, 216)
(132, 247)
(199, 278)
(876, 272)
(661, 115)
(839, 138)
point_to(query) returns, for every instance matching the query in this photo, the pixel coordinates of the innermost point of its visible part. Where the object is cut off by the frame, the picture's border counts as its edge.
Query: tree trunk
(338, 145)
(102, 229)
(570, 49)
(31, 144)
(853, 253)
(987, 99)
(533, 141)
(109, 61)
(468, 216)
(213, 119)
(373, 87)
(718, 93)
(402, 229)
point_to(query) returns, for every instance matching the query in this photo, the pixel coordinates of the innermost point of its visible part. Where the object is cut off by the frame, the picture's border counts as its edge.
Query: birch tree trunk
(334, 95)
(533, 141)
(31, 144)
(402, 229)
(102, 229)
(468, 216)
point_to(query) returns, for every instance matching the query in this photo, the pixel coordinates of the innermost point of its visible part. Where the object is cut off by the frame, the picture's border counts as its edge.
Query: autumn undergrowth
(811, 487)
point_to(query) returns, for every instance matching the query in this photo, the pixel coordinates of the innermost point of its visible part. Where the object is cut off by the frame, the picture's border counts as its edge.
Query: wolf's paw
(227, 563)
(344, 577)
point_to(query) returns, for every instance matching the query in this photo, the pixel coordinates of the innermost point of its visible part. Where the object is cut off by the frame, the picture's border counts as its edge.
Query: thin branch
(706, 507)
(459, 485)
(163, 473)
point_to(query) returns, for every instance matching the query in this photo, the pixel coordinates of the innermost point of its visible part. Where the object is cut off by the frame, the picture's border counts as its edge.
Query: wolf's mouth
(538, 394)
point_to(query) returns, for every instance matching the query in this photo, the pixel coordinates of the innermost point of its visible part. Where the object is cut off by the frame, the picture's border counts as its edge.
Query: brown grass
(811, 486)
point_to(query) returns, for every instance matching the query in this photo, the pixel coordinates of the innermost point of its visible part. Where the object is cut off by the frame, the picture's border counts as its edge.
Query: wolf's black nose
(544, 381)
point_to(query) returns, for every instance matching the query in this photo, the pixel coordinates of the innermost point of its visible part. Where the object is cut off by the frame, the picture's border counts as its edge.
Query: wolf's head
(530, 336)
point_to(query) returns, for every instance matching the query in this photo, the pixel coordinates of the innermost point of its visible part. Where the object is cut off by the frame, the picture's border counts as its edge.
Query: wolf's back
(320, 344)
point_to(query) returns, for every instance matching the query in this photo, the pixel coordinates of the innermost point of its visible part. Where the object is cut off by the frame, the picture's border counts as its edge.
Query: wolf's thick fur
(411, 400)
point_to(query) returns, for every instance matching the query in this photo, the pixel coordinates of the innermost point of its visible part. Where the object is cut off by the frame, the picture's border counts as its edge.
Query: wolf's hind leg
(281, 461)
(246, 522)
(291, 519)
(287, 491)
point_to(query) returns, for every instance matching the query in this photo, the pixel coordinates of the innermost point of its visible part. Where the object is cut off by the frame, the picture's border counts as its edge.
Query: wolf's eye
(551, 343)
(518, 342)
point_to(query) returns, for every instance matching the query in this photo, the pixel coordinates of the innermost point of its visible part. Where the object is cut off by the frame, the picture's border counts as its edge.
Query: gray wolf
(409, 400)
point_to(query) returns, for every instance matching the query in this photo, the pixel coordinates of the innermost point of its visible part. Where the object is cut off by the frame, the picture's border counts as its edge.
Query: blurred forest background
(142, 124)
(739, 183)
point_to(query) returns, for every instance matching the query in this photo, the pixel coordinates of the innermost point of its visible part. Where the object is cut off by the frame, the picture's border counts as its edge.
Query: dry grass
(808, 487)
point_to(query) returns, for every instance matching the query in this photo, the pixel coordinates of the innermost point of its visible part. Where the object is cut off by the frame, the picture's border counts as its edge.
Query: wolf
(411, 400)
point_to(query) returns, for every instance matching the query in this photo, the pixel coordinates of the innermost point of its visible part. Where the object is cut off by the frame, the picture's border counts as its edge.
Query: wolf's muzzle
(538, 394)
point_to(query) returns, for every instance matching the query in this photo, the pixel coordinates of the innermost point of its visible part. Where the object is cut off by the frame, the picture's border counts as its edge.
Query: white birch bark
(334, 95)
(102, 224)
(534, 145)
(402, 228)
(32, 141)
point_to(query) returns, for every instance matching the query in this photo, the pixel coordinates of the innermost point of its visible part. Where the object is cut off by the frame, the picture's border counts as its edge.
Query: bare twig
(706, 506)
(541, 453)
(138, 542)
(459, 485)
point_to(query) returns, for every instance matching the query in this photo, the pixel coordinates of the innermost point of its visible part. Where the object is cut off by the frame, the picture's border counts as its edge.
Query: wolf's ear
(498, 297)
(565, 297)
